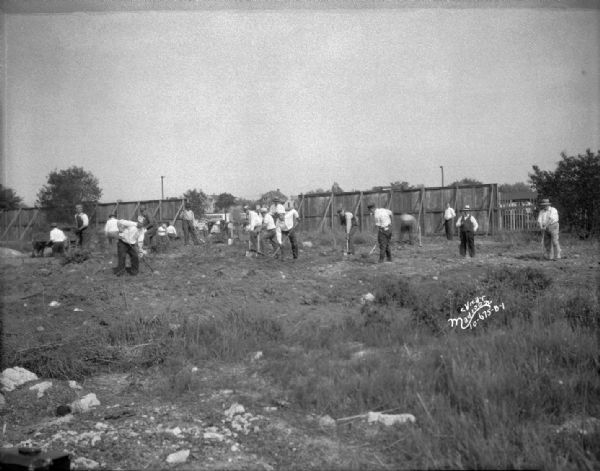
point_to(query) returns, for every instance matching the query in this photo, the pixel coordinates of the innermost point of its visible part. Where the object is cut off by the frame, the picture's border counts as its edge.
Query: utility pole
(442, 167)
(162, 196)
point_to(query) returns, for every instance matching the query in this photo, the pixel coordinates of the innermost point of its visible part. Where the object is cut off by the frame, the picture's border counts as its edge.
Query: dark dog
(39, 246)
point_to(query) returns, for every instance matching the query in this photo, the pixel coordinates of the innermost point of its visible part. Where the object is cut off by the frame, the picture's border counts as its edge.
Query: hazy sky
(246, 101)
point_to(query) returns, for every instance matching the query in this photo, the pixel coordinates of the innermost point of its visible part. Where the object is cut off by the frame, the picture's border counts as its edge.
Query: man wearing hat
(276, 207)
(58, 240)
(383, 221)
(468, 226)
(270, 228)
(187, 222)
(548, 222)
(253, 226)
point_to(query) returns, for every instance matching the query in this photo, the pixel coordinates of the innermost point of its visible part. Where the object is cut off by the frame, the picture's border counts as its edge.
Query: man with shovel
(350, 224)
(253, 228)
(548, 222)
(383, 221)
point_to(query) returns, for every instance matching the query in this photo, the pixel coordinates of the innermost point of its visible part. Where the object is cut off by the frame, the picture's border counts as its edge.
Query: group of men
(274, 224)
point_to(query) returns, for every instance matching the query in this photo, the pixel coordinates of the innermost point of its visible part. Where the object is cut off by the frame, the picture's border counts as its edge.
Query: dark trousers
(124, 249)
(271, 236)
(449, 229)
(293, 242)
(409, 229)
(384, 237)
(350, 236)
(467, 242)
(188, 229)
(81, 237)
(58, 248)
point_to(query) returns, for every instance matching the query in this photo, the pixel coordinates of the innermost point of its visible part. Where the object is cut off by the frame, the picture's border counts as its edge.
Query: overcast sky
(246, 101)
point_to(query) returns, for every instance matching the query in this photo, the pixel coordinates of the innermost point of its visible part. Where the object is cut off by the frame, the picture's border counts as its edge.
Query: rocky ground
(233, 418)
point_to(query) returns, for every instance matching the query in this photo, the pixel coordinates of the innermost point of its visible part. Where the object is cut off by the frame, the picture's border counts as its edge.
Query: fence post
(322, 223)
(35, 215)
(11, 223)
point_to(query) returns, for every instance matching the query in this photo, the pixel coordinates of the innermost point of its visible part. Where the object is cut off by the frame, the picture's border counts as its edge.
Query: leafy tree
(9, 198)
(65, 189)
(197, 200)
(224, 201)
(466, 181)
(398, 185)
(574, 189)
(336, 188)
(267, 198)
(514, 187)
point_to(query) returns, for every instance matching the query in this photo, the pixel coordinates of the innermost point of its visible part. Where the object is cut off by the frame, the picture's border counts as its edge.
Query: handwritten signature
(480, 307)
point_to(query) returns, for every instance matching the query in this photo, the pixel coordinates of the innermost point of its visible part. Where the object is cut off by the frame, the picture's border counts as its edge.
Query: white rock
(178, 457)
(327, 421)
(41, 388)
(174, 431)
(54, 304)
(84, 463)
(214, 436)
(235, 447)
(367, 298)
(74, 385)
(13, 377)
(234, 409)
(390, 419)
(308, 244)
(85, 403)
(77, 310)
(257, 356)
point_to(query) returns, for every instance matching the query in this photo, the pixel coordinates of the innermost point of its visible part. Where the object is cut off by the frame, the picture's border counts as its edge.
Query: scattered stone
(367, 298)
(84, 463)
(194, 369)
(13, 377)
(214, 436)
(390, 419)
(234, 409)
(74, 385)
(174, 431)
(77, 310)
(256, 356)
(178, 457)
(85, 403)
(54, 304)
(39, 328)
(435, 278)
(41, 388)
(307, 244)
(235, 447)
(580, 426)
(327, 421)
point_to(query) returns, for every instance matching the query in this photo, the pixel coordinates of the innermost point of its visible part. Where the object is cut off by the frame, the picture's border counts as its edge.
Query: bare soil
(135, 425)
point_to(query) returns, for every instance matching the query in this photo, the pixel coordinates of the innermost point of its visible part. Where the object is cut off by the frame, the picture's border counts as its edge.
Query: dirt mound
(10, 253)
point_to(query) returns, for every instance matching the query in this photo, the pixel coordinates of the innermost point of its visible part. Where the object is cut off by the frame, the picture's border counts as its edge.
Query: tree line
(573, 188)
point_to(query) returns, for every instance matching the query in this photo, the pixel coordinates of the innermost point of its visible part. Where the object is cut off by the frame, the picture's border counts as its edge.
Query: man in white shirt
(253, 227)
(58, 239)
(350, 224)
(449, 215)
(270, 229)
(289, 229)
(383, 221)
(468, 226)
(81, 225)
(548, 222)
(111, 229)
(171, 231)
(187, 221)
(128, 238)
(276, 207)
